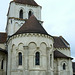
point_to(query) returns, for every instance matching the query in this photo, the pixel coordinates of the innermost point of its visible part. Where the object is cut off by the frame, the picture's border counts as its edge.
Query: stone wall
(58, 66)
(14, 22)
(28, 45)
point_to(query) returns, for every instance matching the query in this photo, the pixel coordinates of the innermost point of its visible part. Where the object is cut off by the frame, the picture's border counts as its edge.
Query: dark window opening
(21, 14)
(20, 58)
(11, 21)
(64, 66)
(30, 14)
(2, 64)
(50, 60)
(37, 58)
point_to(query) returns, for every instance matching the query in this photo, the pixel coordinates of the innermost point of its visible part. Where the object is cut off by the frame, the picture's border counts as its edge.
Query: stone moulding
(61, 48)
(29, 34)
(17, 18)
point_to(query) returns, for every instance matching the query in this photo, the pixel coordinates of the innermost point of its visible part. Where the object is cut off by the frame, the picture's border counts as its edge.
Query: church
(27, 49)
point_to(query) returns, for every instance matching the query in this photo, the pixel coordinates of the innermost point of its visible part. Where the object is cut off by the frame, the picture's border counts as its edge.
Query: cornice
(21, 19)
(68, 48)
(17, 18)
(27, 35)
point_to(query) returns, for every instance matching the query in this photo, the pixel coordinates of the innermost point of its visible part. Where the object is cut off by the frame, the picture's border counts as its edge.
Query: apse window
(64, 66)
(20, 58)
(2, 65)
(37, 58)
(21, 14)
(50, 60)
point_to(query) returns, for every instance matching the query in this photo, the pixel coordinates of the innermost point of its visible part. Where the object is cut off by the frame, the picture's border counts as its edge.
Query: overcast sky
(58, 17)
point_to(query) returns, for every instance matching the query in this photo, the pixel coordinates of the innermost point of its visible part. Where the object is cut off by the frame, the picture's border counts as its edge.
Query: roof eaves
(58, 54)
(3, 50)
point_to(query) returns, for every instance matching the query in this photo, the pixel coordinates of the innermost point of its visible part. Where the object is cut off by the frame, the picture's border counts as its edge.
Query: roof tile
(58, 54)
(3, 37)
(60, 42)
(32, 25)
(29, 2)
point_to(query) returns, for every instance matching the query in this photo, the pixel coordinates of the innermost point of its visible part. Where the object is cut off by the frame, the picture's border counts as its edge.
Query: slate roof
(32, 25)
(58, 54)
(3, 37)
(29, 2)
(60, 42)
(2, 50)
(73, 65)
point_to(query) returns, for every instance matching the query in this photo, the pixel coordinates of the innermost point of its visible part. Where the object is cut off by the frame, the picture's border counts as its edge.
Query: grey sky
(58, 17)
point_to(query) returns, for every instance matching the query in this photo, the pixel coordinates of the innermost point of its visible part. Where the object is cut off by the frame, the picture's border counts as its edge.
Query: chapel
(26, 48)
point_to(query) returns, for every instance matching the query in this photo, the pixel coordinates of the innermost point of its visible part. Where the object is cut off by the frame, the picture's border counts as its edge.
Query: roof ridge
(64, 40)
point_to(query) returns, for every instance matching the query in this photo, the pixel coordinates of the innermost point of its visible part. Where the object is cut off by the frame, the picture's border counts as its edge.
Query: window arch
(20, 58)
(30, 14)
(37, 58)
(64, 66)
(2, 64)
(21, 14)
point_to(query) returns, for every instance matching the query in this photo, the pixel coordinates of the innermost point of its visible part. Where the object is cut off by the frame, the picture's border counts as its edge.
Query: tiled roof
(29, 2)
(32, 25)
(60, 42)
(58, 54)
(73, 65)
(2, 50)
(3, 37)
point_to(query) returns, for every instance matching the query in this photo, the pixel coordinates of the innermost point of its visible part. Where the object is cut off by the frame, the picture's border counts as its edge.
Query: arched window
(21, 14)
(11, 21)
(64, 66)
(2, 64)
(20, 58)
(30, 14)
(50, 60)
(37, 58)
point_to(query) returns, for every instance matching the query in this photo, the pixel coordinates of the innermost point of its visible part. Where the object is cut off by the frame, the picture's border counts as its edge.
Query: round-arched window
(64, 66)
(20, 58)
(21, 14)
(2, 64)
(37, 58)
(30, 14)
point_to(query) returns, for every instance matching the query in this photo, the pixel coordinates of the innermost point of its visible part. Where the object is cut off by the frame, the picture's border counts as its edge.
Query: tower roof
(29, 2)
(32, 25)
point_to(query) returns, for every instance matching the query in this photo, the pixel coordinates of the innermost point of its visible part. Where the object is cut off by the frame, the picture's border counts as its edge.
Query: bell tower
(19, 11)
